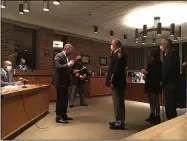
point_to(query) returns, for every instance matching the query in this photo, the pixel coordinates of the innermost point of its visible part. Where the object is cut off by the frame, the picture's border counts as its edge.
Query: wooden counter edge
(131, 137)
(14, 93)
(25, 126)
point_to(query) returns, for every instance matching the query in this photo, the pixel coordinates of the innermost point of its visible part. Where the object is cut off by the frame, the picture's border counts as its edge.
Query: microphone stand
(24, 82)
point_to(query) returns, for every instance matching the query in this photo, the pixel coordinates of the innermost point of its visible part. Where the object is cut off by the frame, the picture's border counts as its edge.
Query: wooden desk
(175, 129)
(38, 76)
(21, 107)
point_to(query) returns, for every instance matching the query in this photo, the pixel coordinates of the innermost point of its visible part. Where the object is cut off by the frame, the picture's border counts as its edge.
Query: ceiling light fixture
(143, 40)
(21, 9)
(154, 40)
(167, 11)
(158, 29)
(56, 2)
(46, 5)
(175, 38)
(111, 33)
(179, 32)
(95, 29)
(3, 3)
(26, 5)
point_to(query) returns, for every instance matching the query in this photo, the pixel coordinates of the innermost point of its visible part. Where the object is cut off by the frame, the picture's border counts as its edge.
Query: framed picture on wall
(85, 59)
(103, 61)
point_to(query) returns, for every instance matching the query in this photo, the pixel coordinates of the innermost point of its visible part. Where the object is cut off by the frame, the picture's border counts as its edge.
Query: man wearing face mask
(78, 81)
(6, 75)
(23, 65)
(61, 80)
(170, 77)
(116, 79)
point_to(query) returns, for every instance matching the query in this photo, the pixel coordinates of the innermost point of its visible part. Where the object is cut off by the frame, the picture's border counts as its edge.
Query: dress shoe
(156, 120)
(118, 126)
(112, 123)
(68, 118)
(84, 104)
(150, 117)
(70, 106)
(61, 120)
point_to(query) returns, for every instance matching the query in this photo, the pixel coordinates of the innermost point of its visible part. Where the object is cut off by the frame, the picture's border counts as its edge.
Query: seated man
(6, 75)
(23, 65)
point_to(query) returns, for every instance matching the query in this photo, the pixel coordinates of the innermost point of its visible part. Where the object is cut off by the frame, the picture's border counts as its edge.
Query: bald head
(7, 65)
(115, 44)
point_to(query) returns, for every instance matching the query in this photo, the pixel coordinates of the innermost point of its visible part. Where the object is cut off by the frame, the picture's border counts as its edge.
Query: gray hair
(169, 42)
(117, 42)
(68, 47)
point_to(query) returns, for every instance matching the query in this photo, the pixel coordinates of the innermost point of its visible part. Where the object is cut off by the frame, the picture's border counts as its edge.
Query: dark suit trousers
(170, 101)
(62, 101)
(118, 103)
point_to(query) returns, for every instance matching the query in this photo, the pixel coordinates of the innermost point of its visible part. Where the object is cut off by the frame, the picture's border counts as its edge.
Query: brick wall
(91, 48)
(44, 43)
(7, 41)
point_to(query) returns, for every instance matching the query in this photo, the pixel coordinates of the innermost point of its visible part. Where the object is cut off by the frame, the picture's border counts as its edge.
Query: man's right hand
(75, 71)
(81, 77)
(184, 64)
(19, 83)
(71, 63)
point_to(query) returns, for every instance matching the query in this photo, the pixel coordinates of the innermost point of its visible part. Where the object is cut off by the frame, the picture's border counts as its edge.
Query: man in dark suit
(170, 77)
(116, 79)
(61, 80)
(78, 81)
(6, 75)
(22, 66)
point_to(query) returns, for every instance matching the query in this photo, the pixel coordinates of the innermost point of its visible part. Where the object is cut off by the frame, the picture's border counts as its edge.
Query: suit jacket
(24, 68)
(171, 68)
(75, 79)
(61, 77)
(116, 73)
(154, 76)
(6, 78)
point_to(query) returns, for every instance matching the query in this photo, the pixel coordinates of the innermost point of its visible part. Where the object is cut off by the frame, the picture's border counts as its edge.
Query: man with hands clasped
(116, 79)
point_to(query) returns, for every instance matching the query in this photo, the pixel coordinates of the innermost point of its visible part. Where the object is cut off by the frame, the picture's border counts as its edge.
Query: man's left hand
(19, 83)
(81, 77)
(184, 64)
(111, 85)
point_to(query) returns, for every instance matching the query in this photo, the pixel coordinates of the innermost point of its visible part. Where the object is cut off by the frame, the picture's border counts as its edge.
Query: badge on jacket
(119, 54)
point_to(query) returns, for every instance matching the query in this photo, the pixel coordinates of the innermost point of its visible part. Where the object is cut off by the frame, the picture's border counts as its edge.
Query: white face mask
(9, 68)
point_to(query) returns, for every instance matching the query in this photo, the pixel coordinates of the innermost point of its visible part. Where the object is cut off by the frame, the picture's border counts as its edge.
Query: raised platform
(22, 107)
(174, 129)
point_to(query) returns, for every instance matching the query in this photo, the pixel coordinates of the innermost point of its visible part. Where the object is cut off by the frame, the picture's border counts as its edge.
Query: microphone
(24, 82)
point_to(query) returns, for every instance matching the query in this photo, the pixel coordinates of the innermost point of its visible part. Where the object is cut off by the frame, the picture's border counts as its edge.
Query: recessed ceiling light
(3, 4)
(56, 2)
(21, 9)
(46, 5)
(170, 12)
(26, 5)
